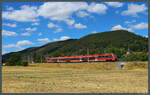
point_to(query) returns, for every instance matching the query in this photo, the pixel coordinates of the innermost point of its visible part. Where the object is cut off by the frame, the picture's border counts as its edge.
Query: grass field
(75, 78)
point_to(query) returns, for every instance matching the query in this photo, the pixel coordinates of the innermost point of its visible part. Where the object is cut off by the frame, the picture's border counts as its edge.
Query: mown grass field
(76, 78)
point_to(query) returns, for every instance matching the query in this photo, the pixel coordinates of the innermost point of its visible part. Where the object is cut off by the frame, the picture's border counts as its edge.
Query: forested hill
(105, 42)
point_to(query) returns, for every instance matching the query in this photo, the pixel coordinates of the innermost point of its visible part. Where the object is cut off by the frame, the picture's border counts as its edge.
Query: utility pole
(88, 53)
(41, 58)
(28, 59)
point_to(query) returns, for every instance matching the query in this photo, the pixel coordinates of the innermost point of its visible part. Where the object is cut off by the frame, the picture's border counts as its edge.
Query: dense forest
(117, 42)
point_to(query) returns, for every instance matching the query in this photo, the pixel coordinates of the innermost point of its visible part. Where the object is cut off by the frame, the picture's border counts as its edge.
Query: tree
(118, 51)
(15, 59)
(56, 54)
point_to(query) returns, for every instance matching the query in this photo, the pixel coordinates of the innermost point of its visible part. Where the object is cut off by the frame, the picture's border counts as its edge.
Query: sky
(32, 24)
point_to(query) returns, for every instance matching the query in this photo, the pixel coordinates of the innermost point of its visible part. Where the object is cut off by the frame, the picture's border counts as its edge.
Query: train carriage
(85, 58)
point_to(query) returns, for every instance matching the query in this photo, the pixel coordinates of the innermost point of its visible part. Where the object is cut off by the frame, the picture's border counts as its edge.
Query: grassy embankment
(76, 78)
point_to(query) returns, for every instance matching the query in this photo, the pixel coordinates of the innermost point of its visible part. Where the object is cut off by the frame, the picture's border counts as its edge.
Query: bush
(24, 63)
(137, 56)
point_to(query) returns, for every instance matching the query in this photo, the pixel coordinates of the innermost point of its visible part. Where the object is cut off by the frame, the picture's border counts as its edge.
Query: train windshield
(115, 55)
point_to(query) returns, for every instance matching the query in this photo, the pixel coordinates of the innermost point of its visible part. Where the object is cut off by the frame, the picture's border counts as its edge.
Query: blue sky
(31, 24)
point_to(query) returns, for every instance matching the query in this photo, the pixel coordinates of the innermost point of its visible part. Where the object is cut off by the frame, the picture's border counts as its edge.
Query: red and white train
(83, 58)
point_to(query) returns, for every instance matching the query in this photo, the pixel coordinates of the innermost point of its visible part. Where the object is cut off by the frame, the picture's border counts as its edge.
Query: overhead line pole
(88, 53)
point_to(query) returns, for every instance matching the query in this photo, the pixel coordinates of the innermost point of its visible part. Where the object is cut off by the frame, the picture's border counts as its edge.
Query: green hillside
(105, 42)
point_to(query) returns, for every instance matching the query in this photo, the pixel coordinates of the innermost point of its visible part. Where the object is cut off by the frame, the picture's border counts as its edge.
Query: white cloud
(10, 25)
(26, 34)
(44, 40)
(40, 34)
(94, 32)
(119, 27)
(9, 46)
(23, 43)
(114, 4)
(140, 26)
(80, 26)
(31, 29)
(70, 22)
(8, 33)
(82, 14)
(52, 25)
(58, 30)
(97, 8)
(25, 14)
(62, 38)
(60, 10)
(134, 9)
(9, 8)
(18, 44)
(129, 22)
(35, 24)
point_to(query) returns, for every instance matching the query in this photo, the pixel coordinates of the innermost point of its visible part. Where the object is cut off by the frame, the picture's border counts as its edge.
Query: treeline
(121, 53)
(15, 60)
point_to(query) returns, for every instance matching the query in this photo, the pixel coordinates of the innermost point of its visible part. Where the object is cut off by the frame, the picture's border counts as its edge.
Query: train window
(53, 59)
(61, 59)
(75, 58)
(85, 58)
(108, 56)
(91, 57)
(66, 59)
(50, 59)
(100, 56)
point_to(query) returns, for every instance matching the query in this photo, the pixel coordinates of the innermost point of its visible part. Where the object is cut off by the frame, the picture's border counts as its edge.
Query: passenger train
(83, 58)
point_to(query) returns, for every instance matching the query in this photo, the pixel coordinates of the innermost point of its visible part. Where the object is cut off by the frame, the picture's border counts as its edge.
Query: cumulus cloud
(62, 38)
(44, 40)
(134, 9)
(94, 32)
(129, 22)
(35, 24)
(97, 8)
(114, 4)
(80, 26)
(8, 33)
(25, 14)
(70, 22)
(40, 34)
(9, 8)
(9, 46)
(58, 11)
(119, 27)
(62, 11)
(31, 29)
(140, 26)
(26, 34)
(82, 14)
(52, 25)
(10, 25)
(58, 30)
(18, 44)
(24, 42)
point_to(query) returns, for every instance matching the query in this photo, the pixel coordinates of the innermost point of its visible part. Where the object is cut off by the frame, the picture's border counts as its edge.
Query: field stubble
(75, 78)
